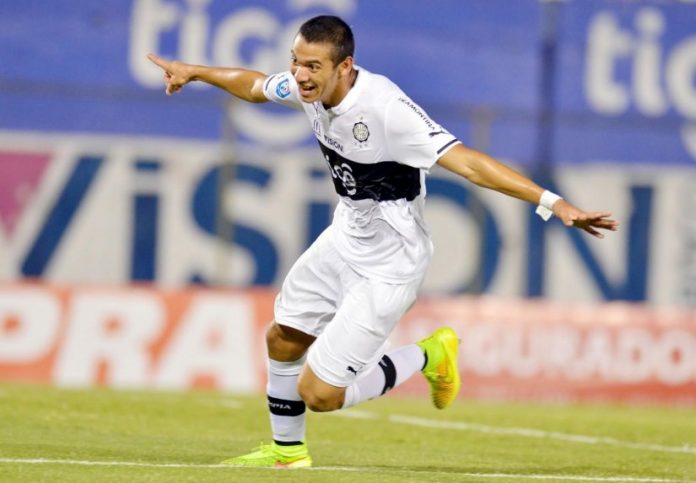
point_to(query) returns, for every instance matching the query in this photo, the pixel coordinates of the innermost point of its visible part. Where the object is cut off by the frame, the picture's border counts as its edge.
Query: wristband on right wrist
(545, 208)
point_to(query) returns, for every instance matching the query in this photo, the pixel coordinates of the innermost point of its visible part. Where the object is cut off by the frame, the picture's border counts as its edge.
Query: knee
(273, 336)
(320, 404)
(317, 402)
(285, 343)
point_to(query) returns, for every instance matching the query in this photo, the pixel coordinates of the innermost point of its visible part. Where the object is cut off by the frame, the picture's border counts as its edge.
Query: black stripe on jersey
(285, 407)
(389, 370)
(268, 81)
(383, 181)
(447, 145)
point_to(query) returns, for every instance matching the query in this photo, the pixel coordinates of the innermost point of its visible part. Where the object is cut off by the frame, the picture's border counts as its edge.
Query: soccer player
(344, 295)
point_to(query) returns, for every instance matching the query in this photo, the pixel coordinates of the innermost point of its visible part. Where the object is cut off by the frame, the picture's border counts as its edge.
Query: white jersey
(378, 144)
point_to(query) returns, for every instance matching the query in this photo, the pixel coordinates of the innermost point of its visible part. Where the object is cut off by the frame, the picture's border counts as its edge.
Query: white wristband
(545, 208)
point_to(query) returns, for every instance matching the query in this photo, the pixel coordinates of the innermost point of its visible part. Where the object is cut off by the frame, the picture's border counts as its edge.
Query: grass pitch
(49, 434)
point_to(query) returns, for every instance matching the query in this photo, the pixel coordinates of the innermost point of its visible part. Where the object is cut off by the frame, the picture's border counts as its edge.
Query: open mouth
(307, 90)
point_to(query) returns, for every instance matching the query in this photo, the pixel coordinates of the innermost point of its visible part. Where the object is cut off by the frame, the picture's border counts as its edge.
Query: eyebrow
(308, 62)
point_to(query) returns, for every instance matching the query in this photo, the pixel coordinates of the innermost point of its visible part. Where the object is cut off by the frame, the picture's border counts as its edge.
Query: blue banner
(621, 80)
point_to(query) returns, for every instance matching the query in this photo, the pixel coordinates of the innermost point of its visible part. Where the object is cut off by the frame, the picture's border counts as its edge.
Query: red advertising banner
(142, 337)
(539, 350)
(133, 337)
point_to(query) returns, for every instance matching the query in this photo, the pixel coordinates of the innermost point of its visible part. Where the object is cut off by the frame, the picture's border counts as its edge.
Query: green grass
(203, 428)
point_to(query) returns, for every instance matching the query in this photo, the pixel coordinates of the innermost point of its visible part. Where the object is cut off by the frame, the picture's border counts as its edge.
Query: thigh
(355, 340)
(311, 291)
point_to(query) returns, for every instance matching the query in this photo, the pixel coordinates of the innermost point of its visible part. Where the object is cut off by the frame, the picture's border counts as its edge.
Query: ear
(346, 66)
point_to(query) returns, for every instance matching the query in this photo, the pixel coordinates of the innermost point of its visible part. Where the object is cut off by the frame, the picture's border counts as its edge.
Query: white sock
(394, 368)
(286, 407)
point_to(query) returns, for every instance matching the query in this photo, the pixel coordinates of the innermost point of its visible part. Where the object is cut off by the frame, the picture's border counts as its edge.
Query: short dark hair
(331, 30)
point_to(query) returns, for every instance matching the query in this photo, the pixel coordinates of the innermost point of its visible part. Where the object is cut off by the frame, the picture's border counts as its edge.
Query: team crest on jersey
(360, 132)
(283, 88)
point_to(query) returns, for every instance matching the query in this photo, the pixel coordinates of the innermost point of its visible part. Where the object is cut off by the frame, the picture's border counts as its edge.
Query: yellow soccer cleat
(441, 367)
(274, 456)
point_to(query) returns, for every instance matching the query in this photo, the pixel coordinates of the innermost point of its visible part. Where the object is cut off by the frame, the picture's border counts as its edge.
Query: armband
(545, 208)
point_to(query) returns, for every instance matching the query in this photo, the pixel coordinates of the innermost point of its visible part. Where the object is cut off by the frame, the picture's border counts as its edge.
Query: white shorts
(350, 315)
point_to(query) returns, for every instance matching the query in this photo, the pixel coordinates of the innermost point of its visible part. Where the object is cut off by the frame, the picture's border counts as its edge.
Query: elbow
(472, 176)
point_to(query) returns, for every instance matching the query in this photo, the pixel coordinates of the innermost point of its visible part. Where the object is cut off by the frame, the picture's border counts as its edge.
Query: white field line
(350, 469)
(354, 414)
(537, 433)
(231, 404)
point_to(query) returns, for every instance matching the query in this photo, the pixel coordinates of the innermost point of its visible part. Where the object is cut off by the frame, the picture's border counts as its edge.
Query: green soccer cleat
(441, 369)
(274, 456)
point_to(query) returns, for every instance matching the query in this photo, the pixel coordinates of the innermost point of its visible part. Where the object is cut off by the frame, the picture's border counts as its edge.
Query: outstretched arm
(485, 171)
(242, 83)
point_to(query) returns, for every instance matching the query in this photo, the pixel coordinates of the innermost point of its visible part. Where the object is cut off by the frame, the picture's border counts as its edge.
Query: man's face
(314, 71)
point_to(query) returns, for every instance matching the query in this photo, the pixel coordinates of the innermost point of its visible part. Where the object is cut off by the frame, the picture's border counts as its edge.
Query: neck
(345, 84)
(353, 76)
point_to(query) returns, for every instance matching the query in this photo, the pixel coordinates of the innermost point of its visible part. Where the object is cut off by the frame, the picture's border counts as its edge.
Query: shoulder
(380, 87)
(379, 93)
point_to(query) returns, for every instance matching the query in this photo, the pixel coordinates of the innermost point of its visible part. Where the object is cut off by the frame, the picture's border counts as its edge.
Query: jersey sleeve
(282, 89)
(412, 137)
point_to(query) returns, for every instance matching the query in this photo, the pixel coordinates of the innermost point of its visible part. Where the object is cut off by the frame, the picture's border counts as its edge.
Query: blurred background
(143, 237)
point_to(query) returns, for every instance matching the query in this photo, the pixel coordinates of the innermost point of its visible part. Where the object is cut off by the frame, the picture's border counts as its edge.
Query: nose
(301, 74)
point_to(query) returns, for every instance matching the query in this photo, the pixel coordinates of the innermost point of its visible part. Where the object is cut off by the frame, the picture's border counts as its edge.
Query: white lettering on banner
(481, 351)
(561, 345)
(344, 7)
(114, 329)
(681, 68)
(244, 24)
(152, 18)
(149, 19)
(628, 355)
(646, 68)
(29, 321)
(194, 23)
(675, 357)
(526, 352)
(609, 45)
(279, 186)
(633, 362)
(605, 43)
(594, 356)
(215, 339)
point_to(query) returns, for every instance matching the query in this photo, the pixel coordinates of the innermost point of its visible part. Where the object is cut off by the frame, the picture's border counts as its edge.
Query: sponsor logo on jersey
(333, 143)
(360, 132)
(420, 114)
(283, 88)
(344, 174)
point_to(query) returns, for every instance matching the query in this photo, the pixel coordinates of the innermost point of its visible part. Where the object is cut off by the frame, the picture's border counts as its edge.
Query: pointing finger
(158, 61)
